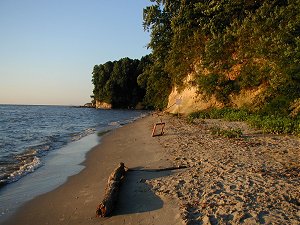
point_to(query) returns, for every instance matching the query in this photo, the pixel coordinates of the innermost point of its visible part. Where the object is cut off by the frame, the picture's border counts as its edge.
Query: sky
(48, 48)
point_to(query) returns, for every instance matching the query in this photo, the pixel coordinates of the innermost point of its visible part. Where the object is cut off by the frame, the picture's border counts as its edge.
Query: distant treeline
(228, 45)
(116, 82)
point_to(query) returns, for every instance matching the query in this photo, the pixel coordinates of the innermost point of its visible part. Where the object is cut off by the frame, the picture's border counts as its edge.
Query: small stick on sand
(159, 170)
(111, 192)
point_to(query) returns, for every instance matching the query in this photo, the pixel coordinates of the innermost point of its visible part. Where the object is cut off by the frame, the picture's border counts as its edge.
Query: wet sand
(76, 201)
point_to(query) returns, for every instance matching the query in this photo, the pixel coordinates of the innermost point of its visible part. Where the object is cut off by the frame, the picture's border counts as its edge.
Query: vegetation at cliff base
(266, 123)
(228, 133)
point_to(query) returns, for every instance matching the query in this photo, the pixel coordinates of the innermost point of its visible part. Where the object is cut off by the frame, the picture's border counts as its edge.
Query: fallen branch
(106, 207)
(159, 170)
(111, 192)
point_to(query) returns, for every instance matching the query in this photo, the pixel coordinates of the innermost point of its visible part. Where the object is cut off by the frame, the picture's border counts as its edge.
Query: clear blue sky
(48, 48)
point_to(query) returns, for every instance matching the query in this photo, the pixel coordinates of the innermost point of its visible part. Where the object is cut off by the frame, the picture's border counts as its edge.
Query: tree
(259, 37)
(116, 83)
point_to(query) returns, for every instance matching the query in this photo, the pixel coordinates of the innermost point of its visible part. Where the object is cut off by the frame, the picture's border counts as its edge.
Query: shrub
(236, 115)
(267, 123)
(199, 115)
(218, 85)
(228, 133)
(274, 124)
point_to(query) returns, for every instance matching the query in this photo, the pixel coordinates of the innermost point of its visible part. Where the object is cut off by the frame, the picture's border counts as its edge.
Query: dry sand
(249, 180)
(76, 201)
(254, 179)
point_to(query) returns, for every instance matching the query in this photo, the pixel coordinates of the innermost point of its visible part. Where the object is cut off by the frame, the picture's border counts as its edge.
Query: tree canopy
(229, 45)
(116, 82)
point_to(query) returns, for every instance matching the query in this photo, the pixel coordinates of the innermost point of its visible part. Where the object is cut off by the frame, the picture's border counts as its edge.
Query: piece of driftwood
(106, 207)
(160, 169)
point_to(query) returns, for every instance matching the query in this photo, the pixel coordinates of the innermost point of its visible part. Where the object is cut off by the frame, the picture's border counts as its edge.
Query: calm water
(29, 133)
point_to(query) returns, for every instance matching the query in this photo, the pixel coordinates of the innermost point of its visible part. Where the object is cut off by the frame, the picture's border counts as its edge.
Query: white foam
(25, 169)
(85, 133)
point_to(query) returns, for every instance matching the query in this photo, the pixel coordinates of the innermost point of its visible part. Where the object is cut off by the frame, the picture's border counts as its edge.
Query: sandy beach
(76, 201)
(253, 179)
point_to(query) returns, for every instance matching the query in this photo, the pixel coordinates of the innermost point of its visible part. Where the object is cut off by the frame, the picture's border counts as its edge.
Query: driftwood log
(106, 207)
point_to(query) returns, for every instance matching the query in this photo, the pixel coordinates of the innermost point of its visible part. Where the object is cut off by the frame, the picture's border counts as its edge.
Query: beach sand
(76, 201)
(253, 179)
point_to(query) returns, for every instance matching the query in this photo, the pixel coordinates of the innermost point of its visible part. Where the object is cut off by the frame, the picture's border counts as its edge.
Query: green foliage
(217, 85)
(228, 114)
(236, 115)
(267, 123)
(270, 35)
(228, 133)
(116, 82)
(278, 105)
(252, 75)
(275, 124)
(155, 78)
(228, 45)
(198, 115)
(157, 85)
(208, 84)
(259, 37)
(215, 113)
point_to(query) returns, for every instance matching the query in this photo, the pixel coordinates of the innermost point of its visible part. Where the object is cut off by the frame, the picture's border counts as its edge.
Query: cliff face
(102, 105)
(189, 100)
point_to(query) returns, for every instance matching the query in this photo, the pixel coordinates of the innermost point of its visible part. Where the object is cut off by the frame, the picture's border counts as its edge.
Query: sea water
(40, 146)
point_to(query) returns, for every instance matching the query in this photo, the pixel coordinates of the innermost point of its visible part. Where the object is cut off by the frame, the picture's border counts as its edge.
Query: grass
(225, 113)
(228, 133)
(267, 123)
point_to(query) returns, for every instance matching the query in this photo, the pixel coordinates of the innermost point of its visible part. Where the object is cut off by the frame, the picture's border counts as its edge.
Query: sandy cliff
(102, 105)
(189, 100)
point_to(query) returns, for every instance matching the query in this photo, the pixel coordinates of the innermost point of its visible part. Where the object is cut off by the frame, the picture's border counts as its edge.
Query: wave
(86, 132)
(26, 163)
(24, 142)
(24, 169)
(18, 165)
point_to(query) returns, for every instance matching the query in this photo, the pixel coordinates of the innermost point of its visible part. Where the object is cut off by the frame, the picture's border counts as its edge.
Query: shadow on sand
(135, 195)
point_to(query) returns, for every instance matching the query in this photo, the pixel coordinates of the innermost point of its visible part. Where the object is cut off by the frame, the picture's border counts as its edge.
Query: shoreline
(75, 201)
(251, 179)
(55, 170)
